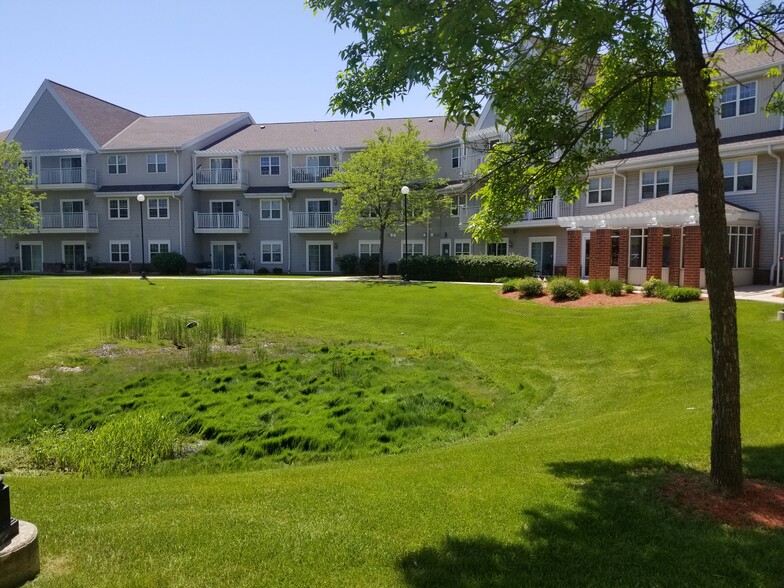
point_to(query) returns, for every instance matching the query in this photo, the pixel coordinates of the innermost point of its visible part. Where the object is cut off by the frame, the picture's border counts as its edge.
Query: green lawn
(569, 495)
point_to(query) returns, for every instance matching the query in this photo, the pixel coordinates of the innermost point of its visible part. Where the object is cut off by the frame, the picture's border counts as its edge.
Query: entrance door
(586, 255)
(543, 253)
(224, 256)
(32, 257)
(74, 255)
(319, 257)
(446, 248)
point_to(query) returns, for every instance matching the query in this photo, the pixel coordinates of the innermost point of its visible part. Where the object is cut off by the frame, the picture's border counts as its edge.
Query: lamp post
(140, 199)
(405, 190)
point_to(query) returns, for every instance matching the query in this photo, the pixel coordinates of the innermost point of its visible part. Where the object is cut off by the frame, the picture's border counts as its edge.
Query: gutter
(774, 264)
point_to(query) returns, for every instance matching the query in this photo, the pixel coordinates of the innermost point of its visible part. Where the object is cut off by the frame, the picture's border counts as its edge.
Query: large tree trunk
(726, 460)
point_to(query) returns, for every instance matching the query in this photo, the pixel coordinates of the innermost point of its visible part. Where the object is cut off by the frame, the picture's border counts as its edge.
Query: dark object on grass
(9, 526)
(192, 324)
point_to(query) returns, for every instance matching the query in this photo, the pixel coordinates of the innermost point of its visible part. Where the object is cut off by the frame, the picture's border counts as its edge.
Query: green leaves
(17, 214)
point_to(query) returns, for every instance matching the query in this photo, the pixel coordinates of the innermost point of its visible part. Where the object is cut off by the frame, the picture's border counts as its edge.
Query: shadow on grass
(621, 533)
(395, 283)
(16, 277)
(765, 463)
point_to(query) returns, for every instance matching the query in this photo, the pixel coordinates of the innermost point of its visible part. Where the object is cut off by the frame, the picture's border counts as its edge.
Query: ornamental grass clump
(613, 287)
(562, 289)
(135, 326)
(597, 286)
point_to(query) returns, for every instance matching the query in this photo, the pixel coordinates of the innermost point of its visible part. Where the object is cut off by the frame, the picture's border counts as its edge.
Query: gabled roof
(735, 61)
(3, 135)
(327, 135)
(103, 120)
(158, 132)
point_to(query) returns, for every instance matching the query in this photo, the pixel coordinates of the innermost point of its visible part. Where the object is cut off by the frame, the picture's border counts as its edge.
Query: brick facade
(623, 255)
(676, 235)
(654, 262)
(601, 254)
(574, 245)
(692, 256)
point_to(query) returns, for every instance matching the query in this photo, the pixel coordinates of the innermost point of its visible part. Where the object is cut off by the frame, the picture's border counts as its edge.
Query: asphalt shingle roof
(155, 132)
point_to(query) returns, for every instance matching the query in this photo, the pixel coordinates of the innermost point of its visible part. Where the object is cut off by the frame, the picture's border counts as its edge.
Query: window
(157, 247)
(118, 164)
(157, 208)
(664, 121)
(455, 157)
(498, 248)
(270, 166)
(415, 248)
(459, 202)
(666, 247)
(615, 247)
(156, 163)
(739, 100)
(600, 190)
(606, 132)
(271, 210)
(739, 175)
(462, 247)
(118, 208)
(272, 252)
(119, 251)
(638, 247)
(368, 248)
(28, 163)
(654, 183)
(741, 247)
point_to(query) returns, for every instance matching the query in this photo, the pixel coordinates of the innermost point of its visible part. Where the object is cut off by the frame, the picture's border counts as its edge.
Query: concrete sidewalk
(760, 294)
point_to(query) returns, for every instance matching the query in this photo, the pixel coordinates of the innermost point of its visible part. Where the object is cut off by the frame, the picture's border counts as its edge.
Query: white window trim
(369, 243)
(455, 159)
(152, 242)
(64, 200)
(261, 209)
(168, 208)
(547, 239)
(234, 206)
(64, 244)
(612, 191)
(261, 252)
(31, 244)
(735, 161)
(461, 242)
(411, 243)
(738, 99)
(117, 165)
(331, 255)
(109, 209)
(157, 163)
(441, 244)
(655, 127)
(270, 166)
(331, 204)
(504, 240)
(655, 170)
(120, 242)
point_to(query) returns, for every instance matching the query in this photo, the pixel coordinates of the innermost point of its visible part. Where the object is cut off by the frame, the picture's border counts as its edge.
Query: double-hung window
(663, 122)
(462, 247)
(157, 247)
(156, 163)
(119, 251)
(158, 208)
(415, 248)
(739, 175)
(655, 183)
(455, 157)
(118, 164)
(501, 248)
(272, 252)
(600, 190)
(270, 165)
(118, 208)
(271, 210)
(368, 248)
(738, 100)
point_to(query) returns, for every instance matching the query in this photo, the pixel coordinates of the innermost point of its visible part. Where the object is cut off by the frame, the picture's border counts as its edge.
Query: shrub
(530, 287)
(169, 263)
(596, 286)
(277, 270)
(561, 288)
(348, 264)
(467, 268)
(613, 287)
(509, 286)
(628, 288)
(262, 270)
(655, 288)
(368, 264)
(676, 294)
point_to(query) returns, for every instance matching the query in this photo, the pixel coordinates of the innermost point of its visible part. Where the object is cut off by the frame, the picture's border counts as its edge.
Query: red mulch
(760, 505)
(591, 300)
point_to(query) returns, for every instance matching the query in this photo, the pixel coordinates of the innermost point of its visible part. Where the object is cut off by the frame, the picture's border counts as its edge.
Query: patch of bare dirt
(760, 505)
(591, 300)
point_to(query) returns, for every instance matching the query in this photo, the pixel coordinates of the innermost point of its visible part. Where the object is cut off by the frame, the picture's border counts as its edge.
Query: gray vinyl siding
(252, 163)
(49, 127)
(137, 169)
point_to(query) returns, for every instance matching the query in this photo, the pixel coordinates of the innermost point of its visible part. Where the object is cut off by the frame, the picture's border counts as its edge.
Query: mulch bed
(760, 505)
(591, 300)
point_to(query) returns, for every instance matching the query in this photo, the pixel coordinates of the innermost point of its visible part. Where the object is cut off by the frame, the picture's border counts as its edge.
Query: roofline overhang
(642, 220)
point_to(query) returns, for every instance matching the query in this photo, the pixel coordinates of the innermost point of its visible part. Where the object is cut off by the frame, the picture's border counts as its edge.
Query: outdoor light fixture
(140, 199)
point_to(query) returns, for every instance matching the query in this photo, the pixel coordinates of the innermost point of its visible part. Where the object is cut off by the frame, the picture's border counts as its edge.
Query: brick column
(692, 256)
(675, 256)
(623, 255)
(601, 255)
(574, 245)
(654, 261)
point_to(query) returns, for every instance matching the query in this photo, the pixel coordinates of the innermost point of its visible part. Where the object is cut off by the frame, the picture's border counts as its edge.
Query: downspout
(288, 232)
(774, 264)
(179, 220)
(616, 174)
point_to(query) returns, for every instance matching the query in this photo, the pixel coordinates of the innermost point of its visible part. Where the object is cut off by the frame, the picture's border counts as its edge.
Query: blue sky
(272, 58)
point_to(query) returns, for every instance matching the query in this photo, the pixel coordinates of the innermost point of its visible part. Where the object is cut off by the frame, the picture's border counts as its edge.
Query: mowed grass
(568, 496)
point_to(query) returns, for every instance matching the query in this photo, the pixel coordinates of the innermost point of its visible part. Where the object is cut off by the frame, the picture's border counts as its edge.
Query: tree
(371, 182)
(17, 213)
(557, 71)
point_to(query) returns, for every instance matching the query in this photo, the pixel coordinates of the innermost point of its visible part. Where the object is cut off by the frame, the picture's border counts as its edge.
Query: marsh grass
(136, 326)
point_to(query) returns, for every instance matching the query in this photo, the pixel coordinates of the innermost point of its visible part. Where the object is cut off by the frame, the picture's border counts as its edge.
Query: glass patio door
(71, 170)
(320, 257)
(319, 213)
(72, 213)
(221, 170)
(319, 167)
(74, 255)
(32, 257)
(224, 256)
(222, 213)
(543, 253)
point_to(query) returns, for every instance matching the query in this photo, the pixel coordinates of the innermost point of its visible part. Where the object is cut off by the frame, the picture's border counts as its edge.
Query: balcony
(74, 178)
(544, 214)
(313, 176)
(311, 222)
(68, 222)
(220, 179)
(207, 222)
(470, 163)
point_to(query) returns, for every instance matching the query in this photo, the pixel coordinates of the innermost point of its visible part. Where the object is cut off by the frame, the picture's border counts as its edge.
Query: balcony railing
(68, 221)
(220, 177)
(59, 176)
(234, 222)
(470, 163)
(547, 209)
(311, 220)
(311, 174)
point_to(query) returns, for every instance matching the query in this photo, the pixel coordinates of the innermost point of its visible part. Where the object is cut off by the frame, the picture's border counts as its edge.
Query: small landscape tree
(371, 181)
(17, 213)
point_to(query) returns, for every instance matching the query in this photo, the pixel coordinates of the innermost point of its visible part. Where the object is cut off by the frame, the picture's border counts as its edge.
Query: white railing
(231, 221)
(548, 209)
(220, 177)
(311, 174)
(465, 212)
(311, 220)
(67, 176)
(470, 163)
(68, 220)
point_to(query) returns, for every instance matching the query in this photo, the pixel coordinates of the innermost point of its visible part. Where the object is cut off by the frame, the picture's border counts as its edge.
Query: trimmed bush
(562, 289)
(613, 287)
(655, 288)
(530, 287)
(277, 271)
(368, 264)
(677, 294)
(509, 286)
(628, 288)
(348, 264)
(262, 270)
(597, 286)
(169, 263)
(466, 268)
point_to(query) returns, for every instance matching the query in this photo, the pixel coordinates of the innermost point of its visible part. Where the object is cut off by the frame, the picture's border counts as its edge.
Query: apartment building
(234, 195)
